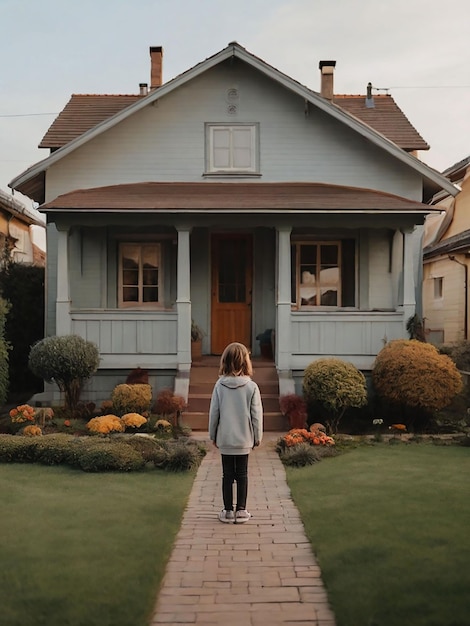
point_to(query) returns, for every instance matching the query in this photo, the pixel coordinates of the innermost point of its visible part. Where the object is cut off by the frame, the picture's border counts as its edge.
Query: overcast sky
(417, 49)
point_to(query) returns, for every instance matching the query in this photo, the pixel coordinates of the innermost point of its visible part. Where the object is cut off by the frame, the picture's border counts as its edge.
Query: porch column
(63, 324)
(283, 344)
(409, 294)
(183, 309)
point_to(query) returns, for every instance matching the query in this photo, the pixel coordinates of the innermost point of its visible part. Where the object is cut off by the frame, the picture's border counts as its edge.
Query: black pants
(235, 468)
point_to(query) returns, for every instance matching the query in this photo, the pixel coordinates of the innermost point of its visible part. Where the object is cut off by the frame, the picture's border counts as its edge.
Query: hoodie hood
(233, 382)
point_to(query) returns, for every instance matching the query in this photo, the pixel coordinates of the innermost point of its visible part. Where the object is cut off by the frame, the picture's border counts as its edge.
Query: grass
(390, 528)
(83, 549)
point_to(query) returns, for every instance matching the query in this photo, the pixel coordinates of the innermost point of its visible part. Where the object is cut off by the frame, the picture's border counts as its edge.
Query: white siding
(165, 142)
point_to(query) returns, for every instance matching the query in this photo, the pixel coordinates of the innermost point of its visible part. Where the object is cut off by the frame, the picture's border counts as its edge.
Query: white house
(237, 197)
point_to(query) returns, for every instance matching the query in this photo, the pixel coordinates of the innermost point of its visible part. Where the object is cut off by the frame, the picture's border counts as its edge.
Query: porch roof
(233, 198)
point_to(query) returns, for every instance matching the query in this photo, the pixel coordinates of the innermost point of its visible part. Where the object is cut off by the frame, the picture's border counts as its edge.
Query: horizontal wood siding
(137, 339)
(357, 335)
(166, 141)
(446, 313)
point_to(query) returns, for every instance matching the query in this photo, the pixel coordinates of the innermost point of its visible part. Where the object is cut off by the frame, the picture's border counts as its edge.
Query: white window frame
(438, 284)
(231, 166)
(140, 304)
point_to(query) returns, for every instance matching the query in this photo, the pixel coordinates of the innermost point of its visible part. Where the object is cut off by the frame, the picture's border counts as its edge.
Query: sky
(417, 50)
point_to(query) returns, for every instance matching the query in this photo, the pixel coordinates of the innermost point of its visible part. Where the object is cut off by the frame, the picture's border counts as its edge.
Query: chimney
(156, 63)
(327, 69)
(143, 89)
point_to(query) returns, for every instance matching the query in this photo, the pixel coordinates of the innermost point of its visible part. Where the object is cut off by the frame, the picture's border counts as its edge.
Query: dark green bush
(300, 455)
(105, 456)
(58, 449)
(23, 287)
(414, 375)
(182, 457)
(332, 386)
(17, 449)
(4, 379)
(148, 447)
(68, 361)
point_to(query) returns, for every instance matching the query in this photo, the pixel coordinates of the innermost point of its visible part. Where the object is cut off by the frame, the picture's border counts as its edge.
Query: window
(438, 288)
(232, 149)
(323, 273)
(139, 275)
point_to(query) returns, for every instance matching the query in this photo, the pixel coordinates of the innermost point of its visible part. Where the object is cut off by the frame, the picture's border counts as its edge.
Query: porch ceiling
(233, 197)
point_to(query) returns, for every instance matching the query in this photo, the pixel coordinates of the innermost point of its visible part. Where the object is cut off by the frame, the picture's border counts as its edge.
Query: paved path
(259, 573)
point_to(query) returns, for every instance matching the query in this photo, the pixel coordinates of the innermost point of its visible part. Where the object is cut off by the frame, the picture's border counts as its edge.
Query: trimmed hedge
(96, 454)
(4, 377)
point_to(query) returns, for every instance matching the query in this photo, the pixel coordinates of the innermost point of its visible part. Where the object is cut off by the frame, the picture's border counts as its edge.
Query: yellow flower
(133, 420)
(105, 424)
(32, 431)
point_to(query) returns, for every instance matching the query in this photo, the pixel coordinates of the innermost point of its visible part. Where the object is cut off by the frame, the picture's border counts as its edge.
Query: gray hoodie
(236, 415)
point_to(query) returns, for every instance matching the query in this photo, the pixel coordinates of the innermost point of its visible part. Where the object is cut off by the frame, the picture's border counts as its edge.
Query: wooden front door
(231, 291)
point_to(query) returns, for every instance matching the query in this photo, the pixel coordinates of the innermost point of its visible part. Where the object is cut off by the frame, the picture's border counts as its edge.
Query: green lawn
(391, 529)
(80, 549)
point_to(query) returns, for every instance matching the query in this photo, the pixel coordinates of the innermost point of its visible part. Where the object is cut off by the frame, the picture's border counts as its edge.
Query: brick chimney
(156, 66)
(327, 69)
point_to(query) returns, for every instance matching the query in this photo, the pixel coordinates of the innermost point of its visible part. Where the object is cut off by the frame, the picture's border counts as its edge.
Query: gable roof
(31, 181)
(386, 117)
(17, 209)
(85, 111)
(233, 198)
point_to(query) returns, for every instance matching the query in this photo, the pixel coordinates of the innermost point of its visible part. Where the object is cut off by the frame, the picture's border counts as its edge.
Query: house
(16, 237)
(446, 261)
(237, 197)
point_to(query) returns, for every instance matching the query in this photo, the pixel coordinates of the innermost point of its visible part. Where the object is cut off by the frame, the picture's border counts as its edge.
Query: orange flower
(67, 423)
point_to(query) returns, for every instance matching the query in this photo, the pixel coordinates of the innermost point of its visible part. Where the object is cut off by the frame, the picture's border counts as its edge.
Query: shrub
(105, 424)
(169, 405)
(32, 431)
(57, 449)
(333, 385)
(105, 456)
(182, 457)
(68, 361)
(4, 380)
(133, 420)
(131, 398)
(413, 374)
(299, 456)
(148, 447)
(295, 409)
(138, 376)
(18, 449)
(23, 288)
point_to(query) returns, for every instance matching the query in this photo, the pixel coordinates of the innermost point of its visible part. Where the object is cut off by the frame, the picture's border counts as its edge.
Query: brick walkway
(255, 574)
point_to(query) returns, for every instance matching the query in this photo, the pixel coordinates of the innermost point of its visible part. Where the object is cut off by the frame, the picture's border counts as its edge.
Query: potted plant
(197, 335)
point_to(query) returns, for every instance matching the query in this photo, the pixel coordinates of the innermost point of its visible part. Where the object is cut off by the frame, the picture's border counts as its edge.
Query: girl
(235, 426)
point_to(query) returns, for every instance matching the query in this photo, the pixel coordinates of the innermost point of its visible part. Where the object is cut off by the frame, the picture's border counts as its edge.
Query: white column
(409, 293)
(63, 322)
(283, 305)
(183, 308)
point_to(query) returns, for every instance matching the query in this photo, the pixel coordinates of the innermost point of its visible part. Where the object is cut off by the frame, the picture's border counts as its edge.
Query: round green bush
(67, 360)
(334, 385)
(300, 455)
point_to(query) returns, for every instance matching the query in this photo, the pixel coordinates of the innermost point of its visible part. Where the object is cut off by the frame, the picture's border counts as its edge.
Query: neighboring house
(16, 222)
(237, 197)
(446, 258)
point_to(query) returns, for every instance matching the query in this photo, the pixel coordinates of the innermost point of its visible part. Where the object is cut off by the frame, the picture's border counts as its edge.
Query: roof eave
(435, 181)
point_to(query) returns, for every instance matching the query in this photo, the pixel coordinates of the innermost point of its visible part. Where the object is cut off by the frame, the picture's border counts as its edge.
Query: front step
(203, 377)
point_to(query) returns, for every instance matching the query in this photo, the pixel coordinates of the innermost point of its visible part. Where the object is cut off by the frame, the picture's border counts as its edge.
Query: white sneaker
(226, 517)
(242, 516)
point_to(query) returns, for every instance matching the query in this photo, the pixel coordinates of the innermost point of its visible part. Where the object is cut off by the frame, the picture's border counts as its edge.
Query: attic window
(232, 149)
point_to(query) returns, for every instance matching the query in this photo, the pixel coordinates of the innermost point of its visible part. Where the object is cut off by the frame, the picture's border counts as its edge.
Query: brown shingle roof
(82, 112)
(385, 117)
(231, 197)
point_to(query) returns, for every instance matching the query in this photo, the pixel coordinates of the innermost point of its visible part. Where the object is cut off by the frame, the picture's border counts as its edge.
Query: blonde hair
(235, 361)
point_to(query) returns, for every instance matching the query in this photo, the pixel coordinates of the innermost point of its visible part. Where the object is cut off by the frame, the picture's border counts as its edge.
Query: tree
(67, 360)
(333, 385)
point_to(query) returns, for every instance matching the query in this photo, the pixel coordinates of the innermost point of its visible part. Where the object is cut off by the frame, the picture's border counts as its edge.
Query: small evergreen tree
(332, 386)
(413, 374)
(67, 360)
(3, 354)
